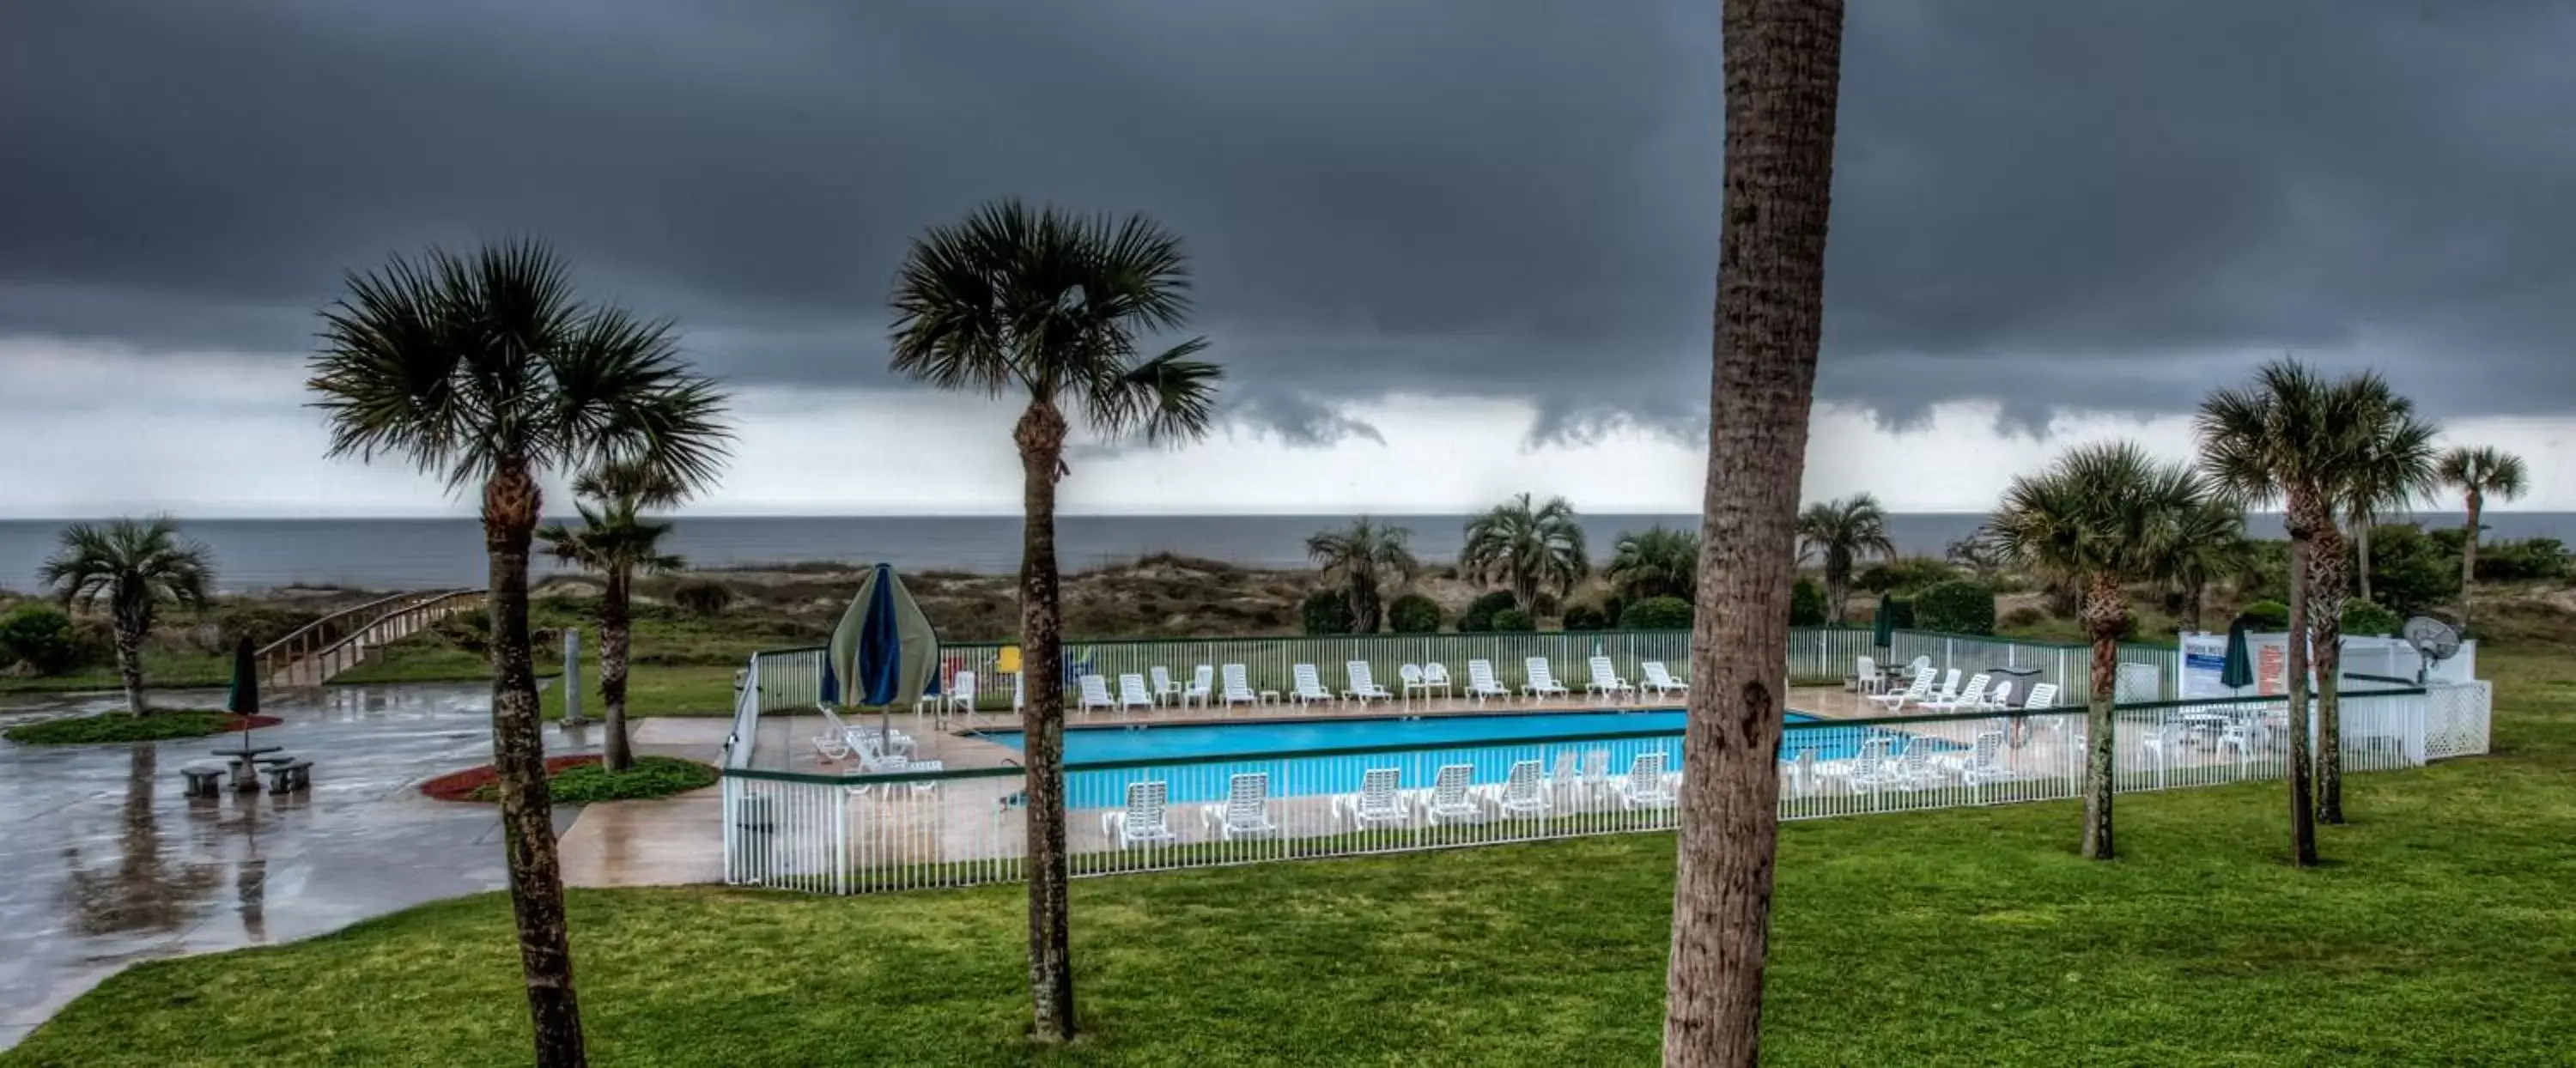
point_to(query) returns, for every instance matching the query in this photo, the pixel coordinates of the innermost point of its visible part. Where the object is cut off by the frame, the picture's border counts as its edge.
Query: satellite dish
(2433, 640)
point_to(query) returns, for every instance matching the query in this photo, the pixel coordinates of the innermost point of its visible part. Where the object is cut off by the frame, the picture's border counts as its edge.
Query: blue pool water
(1193, 759)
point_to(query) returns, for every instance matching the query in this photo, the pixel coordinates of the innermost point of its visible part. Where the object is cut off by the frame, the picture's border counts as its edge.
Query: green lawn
(161, 669)
(2442, 931)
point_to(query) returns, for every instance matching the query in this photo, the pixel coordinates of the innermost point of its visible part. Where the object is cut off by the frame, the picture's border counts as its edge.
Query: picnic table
(241, 757)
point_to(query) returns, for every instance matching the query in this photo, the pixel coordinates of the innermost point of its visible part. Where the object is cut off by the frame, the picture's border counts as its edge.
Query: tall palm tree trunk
(2106, 615)
(616, 640)
(129, 661)
(2361, 554)
(1839, 591)
(1783, 70)
(1040, 436)
(2303, 827)
(2325, 623)
(2469, 556)
(510, 505)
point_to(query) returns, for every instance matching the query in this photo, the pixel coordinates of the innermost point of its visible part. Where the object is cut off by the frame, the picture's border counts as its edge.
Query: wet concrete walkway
(109, 863)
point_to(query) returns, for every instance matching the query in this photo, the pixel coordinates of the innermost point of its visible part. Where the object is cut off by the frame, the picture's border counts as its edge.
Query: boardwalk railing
(846, 834)
(312, 654)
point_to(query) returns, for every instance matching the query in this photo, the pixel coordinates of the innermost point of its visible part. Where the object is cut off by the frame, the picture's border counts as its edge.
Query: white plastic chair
(1435, 676)
(1540, 679)
(1307, 687)
(1245, 812)
(1606, 680)
(1380, 801)
(1481, 684)
(1133, 694)
(1918, 690)
(1866, 678)
(1451, 799)
(1660, 679)
(1644, 785)
(1165, 690)
(1364, 687)
(1095, 693)
(1998, 696)
(1202, 684)
(961, 693)
(1145, 820)
(1409, 681)
(1238, 691)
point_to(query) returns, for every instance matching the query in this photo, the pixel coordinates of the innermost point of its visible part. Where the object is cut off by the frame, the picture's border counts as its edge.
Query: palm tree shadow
(143, 891)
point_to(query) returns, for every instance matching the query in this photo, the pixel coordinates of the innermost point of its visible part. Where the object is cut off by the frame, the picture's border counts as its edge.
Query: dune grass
(2440, 931)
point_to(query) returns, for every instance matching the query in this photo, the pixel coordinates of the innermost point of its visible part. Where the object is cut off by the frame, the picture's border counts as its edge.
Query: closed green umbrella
(1883, 624)
(883, 651)
(2238, 672)
(243, 699)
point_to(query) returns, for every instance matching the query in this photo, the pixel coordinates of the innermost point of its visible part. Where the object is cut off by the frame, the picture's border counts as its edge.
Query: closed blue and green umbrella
(243, 699)
(883, 653)
(1883, 625)
(2238, 672)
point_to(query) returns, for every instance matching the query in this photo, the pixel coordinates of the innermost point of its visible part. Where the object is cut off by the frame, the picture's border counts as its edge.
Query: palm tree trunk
(2361, 550)
(129, 662)
(2198, 597)
(1040, 436)
(2303, 828)
(1837, 590)
(2106, 616)
(2469, 556)
(1783, 70)
(616, 633)
(2325, 623)
(510, 505)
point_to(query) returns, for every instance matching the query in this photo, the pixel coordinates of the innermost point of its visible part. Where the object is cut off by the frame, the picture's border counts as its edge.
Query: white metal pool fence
(847, 834)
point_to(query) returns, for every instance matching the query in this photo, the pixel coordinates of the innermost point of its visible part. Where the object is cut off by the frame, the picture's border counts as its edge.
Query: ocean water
(388, 554)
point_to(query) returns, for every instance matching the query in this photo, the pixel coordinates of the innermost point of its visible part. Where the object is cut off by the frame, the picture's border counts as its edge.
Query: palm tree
(1783, 63)
(1656, 562)
(2478, 472)
(132, 568)
(1526, 547)
(1978, 553)
(1051, 306)
(2103, 516)
(2395, 468)
(2291, 437)
(616, 540)
(1357, 555)
(2209, 545)
(483, 368)
(1839, 534)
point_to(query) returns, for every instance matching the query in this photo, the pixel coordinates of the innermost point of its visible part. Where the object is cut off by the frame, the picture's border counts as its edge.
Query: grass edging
(105, 728)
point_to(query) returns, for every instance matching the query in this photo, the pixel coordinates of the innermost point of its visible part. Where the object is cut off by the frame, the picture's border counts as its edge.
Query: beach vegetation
(1413, 613)
(1366, 557)
(39, 638)
(1807, 602)
(1514, 621)
(2479, 472)
(1959, 606)
(2364, 617)
(1657, 613)
(1479, 616)
(1528, 548)
(702, 597)
(1838, 536)
(1658, 561)
(1585, 617)
(1326, 612)
(131, 569)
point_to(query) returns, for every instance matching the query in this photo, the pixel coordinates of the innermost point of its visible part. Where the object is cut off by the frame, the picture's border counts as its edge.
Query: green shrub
(1514, 621)
(1612, 607)
(2530, 559)
(119, 726)
(1806, 603)
(1480, 612)
(1413, 613)
(702, 597)
(650, 777)
(2410, 571)
(2368, 619)
(1586, 617)
(1657, 613)
(1906, 574)
(2029, 615)
(42, 636)
(1959, 606)
(1326, 612)
(2267, 616)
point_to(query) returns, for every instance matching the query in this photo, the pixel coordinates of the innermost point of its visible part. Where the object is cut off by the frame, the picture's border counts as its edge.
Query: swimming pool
(1193, 757)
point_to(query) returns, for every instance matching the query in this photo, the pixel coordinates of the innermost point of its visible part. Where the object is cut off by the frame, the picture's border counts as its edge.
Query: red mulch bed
(460, 785)
(243, 723)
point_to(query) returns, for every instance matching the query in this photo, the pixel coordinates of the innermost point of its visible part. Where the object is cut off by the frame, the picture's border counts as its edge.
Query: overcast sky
(1446, 249)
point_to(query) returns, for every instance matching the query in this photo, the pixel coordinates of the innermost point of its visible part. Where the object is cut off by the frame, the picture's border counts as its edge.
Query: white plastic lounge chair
(1660, 679)
(1596, 772)
(874, 760)
(1380, 803)
(1166, 691)
(1606, 680)
(1541, 679)
(1867, 678)
(1145, 820)
(1133, 694)
(1364, 687)
(1308, 687)
(1435, 676)
(1949, 687)
(1568, 776)
(1451, 799)
(2043, 695)
(1918, 690)
(1245, 812)
(1237, 691)
(1984, 761)
(840, 739)
(1481, 684)
(1524, 790)
(1644, 785)
(1972, 697)
(1870, 768)
(1915, 666)
(1095, 693)
(1202, 684)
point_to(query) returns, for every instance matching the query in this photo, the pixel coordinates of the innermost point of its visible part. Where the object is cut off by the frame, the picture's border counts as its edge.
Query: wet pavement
(110, 863)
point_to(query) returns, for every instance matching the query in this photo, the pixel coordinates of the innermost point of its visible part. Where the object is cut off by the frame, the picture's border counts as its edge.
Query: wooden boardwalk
(319, 650)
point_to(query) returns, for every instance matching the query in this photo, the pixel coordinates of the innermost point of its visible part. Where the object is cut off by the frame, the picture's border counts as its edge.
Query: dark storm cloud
(2039, 202)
